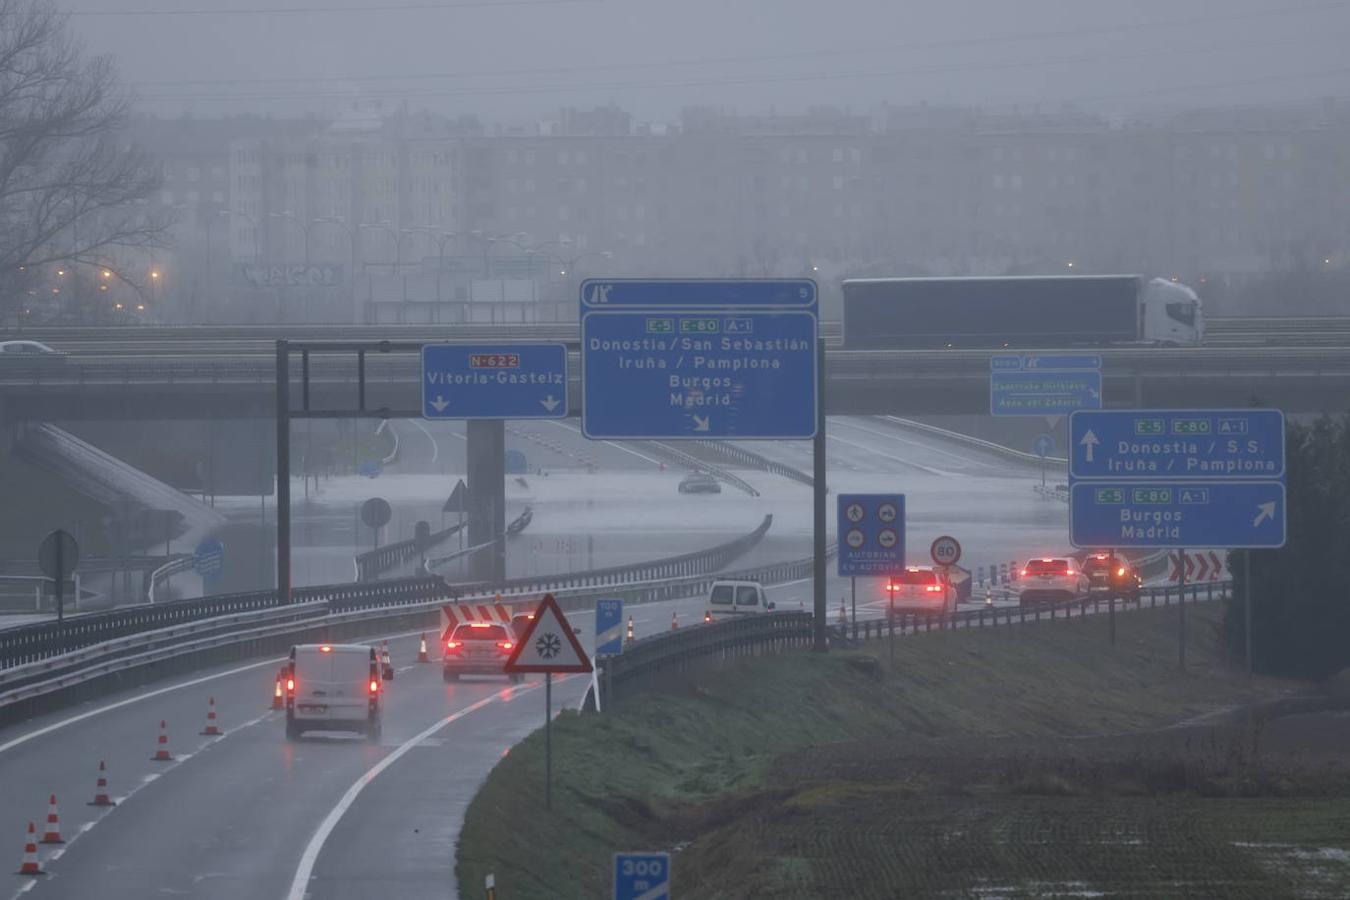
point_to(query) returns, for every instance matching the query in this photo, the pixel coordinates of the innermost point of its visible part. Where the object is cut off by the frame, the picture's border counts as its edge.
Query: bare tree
(70, 191)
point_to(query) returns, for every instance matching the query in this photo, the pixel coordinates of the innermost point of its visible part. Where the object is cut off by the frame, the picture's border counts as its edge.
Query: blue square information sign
(608, 627)
(871, 535)
(494, 381)
(1177, 478)
(642, 876)
(691, 358)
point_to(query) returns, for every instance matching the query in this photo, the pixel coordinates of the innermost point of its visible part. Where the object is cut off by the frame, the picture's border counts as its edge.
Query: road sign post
(494, 381)
(58, 554)
(549, 646)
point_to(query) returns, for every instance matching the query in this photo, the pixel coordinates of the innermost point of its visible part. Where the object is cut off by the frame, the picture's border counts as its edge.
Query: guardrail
(648, 662)
(152, 581)
(25, 593)
(750, 458)
(382, 559)
(999, 449)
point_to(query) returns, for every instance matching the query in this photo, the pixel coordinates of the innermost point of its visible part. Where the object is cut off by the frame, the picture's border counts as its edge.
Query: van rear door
(332, 683)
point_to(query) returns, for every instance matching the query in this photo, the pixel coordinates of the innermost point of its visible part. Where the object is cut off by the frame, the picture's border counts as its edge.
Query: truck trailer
(1034, 312)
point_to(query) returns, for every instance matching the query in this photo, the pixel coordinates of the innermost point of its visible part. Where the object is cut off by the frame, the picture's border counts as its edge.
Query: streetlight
(440, 239)
(154, 279)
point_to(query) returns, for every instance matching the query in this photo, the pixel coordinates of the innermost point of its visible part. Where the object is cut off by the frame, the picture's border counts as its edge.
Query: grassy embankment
(1008, 762)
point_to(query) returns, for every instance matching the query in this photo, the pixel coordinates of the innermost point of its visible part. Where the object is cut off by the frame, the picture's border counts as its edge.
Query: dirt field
(1041, 763)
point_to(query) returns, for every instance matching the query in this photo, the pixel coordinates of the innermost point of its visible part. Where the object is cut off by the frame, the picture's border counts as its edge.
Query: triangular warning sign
(548, 644)
(457, 502)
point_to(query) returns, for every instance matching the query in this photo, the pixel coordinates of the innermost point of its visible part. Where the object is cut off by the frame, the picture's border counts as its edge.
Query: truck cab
(1170, 314)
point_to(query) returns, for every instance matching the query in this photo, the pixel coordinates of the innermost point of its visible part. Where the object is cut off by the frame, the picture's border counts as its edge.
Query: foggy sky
(516, 60)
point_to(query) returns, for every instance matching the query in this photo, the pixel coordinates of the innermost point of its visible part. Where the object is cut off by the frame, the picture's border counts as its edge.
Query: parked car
(29, 351)
(1050, 581)
(699, 483)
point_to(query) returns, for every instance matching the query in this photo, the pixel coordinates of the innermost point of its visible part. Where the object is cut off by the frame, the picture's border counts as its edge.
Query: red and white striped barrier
(1201, 565)
(453, 614)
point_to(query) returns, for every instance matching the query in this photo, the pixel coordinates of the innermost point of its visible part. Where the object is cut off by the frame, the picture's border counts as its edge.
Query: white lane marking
(303, 872)
(573, 428)
(920, 466)
(48, 729)
(435, 446)
(891, 436)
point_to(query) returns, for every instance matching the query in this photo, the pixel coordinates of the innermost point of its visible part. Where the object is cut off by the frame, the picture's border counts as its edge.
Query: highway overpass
(168, 381)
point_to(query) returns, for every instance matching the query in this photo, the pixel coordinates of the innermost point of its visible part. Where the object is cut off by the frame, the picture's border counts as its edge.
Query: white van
(736, 598)
(333, 687)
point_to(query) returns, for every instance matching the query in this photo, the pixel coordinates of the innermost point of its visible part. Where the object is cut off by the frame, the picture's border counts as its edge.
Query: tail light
(452, 645)
(290, 685)
(1120, 571)
(504, 645)
(933, 588)
(707, 617)
(892, 586)
(1069, 572)
(1024, 573)
(374, 686)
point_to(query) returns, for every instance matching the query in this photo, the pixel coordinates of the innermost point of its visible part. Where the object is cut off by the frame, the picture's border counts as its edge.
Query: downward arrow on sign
(440, 403)
(549, 403)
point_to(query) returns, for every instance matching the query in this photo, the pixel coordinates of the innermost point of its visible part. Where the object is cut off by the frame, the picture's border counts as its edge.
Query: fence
(382, 559)
(747, 457)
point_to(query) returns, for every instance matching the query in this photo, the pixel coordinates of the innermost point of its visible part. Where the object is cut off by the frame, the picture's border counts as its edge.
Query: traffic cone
(674, 623)
(52, 833)
(628, 638)
(422, 655)
(30, 865)
(278, 697)
(211, 730)
(101, 797)
(162, 754)
(385, 663)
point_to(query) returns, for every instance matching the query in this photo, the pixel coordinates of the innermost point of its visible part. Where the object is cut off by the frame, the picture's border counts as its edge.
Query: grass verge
(1001, 762)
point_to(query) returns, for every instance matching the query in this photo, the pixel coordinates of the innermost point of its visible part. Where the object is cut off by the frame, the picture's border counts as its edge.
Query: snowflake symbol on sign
(548, 646)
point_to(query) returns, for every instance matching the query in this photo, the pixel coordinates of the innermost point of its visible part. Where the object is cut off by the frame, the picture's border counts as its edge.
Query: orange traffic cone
(278, 697)
(628, 638)
(385, 662)
(101, 797)
(52, 833)
(674, 623)
(30, 865)
(211, 729)
(422, 655)
(162, 754)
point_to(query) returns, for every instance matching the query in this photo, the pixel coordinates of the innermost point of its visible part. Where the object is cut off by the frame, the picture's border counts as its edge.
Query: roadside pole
(890, 622)
(548, 740)
(1248, 594)
(1181, 609)
(853, 598)
(819, 642)
(1111, 593)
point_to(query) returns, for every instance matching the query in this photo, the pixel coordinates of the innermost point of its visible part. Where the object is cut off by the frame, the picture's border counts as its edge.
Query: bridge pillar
(487, 496)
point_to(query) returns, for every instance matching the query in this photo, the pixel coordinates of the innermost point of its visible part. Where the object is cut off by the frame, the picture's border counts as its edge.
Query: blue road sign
(1224, 444)
(370, 469)
(1125, 513)
(871, 534)
(699, 359)
(209, 558)
(608, 627)
(1043, 393)
(686, 293)
(642, 876)
(1043, 362)
(1043, 445)
(494, 381)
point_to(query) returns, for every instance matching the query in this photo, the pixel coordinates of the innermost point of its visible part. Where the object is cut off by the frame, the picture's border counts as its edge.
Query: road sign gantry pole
(283, 426)
(820, 642)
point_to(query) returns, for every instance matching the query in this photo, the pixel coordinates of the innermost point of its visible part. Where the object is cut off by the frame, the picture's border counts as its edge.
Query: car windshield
(723, 594)
(480, 633)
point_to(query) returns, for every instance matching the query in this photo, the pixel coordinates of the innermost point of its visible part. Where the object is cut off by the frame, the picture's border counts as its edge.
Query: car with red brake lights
(1050, 581)
(333, 687)
(1112, 576)
(922, 590)
(478, 648)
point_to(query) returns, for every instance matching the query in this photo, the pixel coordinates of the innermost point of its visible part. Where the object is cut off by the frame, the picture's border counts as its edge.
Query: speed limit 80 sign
(946, 551)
